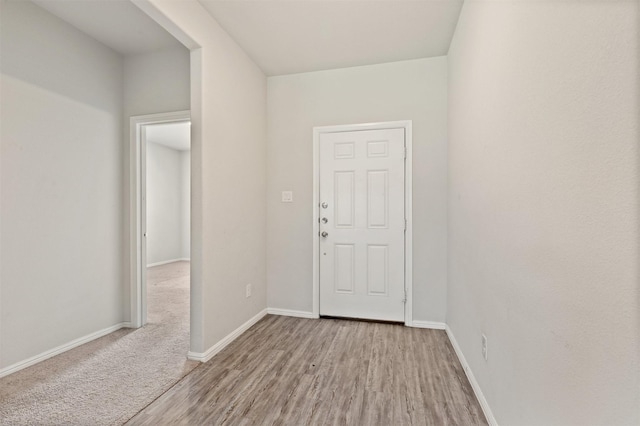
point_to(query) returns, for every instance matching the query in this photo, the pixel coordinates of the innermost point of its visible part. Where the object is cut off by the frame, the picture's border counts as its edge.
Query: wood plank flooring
(292, 371)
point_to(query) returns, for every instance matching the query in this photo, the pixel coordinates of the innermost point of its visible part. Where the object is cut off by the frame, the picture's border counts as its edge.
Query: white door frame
(408, 240)
(137, 200)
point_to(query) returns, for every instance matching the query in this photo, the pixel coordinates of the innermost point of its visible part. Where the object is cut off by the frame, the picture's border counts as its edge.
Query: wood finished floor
(292, 371)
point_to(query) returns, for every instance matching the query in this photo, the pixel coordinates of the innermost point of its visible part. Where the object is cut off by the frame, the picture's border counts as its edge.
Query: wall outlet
(484, 347)
(248, 290)
(287, 196)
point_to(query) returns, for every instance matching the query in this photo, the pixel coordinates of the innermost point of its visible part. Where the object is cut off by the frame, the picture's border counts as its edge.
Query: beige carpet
(107, 381)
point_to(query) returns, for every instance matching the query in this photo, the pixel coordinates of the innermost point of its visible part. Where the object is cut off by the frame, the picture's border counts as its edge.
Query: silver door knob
(324, 205)
(325, 220)
(324, 234)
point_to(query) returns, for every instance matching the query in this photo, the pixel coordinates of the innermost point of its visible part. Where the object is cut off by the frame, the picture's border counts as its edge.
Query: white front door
(362, 224)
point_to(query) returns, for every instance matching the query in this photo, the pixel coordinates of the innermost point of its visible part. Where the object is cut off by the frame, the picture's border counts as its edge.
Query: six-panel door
(362, 224)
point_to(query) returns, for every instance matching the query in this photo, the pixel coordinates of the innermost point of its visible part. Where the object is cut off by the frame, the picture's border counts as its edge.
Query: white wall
(153, 82)
(157, 82)
(167, 204)
(543, 204)
(410, 90)
(61, 198)
(185, 202)
(228, 173)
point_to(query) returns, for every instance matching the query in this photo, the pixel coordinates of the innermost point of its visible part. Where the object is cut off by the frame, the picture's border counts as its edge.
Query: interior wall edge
(228, 339)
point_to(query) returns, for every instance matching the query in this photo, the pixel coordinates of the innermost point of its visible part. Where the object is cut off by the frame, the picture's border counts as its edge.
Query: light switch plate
(287, 196)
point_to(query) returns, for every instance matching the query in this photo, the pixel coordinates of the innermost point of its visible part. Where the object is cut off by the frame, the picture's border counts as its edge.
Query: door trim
(137, 207)
(408, 240)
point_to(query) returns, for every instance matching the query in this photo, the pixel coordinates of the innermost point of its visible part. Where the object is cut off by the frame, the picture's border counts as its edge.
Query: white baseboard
(209, 353)
(474, 383)
(164, 262)
(428, 324)
(60, 349)
(290, 313)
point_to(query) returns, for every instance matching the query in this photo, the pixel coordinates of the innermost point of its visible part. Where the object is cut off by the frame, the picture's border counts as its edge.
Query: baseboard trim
(428, 324)
(60, 349)
(209, 353)
(290, 313)
(164, 262)
(474, 383)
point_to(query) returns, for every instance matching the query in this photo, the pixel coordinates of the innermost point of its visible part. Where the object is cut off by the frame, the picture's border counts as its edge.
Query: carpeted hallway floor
(107, 381)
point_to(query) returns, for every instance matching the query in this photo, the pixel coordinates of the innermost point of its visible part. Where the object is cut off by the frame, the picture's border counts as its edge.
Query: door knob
(325, 220)
(324, 234)
(324, 205)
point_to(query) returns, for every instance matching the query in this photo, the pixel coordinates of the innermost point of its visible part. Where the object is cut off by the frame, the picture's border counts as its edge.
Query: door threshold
(362, 320)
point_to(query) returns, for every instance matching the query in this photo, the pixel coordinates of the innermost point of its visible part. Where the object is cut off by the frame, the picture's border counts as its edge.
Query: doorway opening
(167, 207)
(161, 194)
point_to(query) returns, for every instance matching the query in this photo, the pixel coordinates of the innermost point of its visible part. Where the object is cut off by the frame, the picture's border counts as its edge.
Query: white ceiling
(292, 36)
(285, 36)
(172, 135)
(118, 24)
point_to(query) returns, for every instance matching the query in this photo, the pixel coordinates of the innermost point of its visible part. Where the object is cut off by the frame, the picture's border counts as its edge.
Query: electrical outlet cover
(287, 196)
(484, 347)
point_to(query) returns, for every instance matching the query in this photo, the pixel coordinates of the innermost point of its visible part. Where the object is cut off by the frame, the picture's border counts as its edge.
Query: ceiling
(172, 135)
(292, 36)
(116, 23)
(285, 36)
